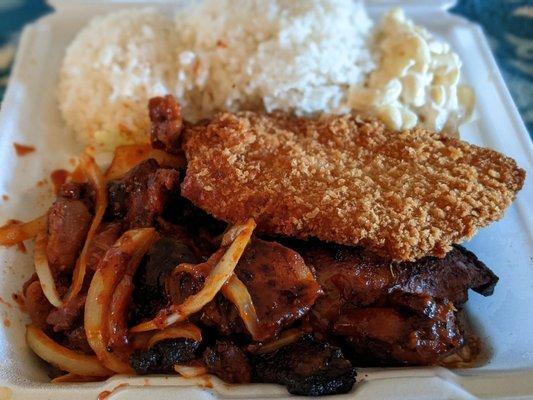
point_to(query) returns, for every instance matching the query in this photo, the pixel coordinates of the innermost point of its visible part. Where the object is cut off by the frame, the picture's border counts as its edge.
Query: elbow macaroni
(416, 81)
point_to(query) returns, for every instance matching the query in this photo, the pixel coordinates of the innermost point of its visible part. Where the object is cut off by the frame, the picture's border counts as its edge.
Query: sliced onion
(236, 292)
(190, 371)
(124, 255)
(63, 358)
(213, 283)
(287, 337)
(191, 269)
(11, 234)
(231, 234)
(127, 157)
(199, 271)
(44, 272)
(95, 176)
(70, 378)
(184, 330)
(120, 300)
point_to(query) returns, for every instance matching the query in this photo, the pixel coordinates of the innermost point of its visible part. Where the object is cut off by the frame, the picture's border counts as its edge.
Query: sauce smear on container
(58, 177)
(22, 149)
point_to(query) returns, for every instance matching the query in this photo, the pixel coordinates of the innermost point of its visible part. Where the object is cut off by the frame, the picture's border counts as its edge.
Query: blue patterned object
(509, 26)
(507, 23)
(14, 14)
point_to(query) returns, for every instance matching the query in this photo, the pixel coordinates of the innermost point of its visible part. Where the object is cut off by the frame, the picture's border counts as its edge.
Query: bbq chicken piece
(227, 361)
(162, 357)
(394, 313)
(149, 294)
(394, 336)
(353, 276)
(69, 219)
(308, 367)
(281, 286)
(141, 196)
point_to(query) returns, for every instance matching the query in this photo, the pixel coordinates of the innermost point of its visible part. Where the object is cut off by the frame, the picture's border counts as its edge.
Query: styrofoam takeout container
(504, 321)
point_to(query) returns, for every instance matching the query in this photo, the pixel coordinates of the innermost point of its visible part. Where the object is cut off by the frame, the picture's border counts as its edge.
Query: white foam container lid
(504, 321)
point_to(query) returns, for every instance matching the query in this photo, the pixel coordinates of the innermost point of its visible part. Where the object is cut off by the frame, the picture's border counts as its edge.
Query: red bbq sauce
(22, 149)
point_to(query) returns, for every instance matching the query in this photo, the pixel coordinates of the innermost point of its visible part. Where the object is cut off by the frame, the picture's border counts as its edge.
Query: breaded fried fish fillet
(347, 180)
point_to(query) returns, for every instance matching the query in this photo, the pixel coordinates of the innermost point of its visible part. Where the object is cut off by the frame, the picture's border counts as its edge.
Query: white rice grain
(111, 69)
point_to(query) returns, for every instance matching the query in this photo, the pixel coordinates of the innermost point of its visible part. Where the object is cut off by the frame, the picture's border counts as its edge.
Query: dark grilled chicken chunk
(227, 361)
(162, 357)
(282, 287)
(69, 219)
(308, 367)
(141, 196)
(395, 313)
(149, 295)
(392, 335)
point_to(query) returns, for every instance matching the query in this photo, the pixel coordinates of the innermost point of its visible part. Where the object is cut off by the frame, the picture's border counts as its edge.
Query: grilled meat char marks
(446, 278)
(385, 313)
(393, 336)
(162, 356)
(149, 294)
(141, 196)
(282, 288)
(227, 361)
(348, 273)
(394, 313)
(308, 367)
(69, 219)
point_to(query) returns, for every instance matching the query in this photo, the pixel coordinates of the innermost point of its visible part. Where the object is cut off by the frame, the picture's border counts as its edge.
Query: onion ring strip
(132, 244)
(190, 371)
(231, 234)
(42, 268)
(184, 330)
(117, 310)
(61, 357)
(213, 283)
(128, 156)
(95, 176)
(188, 269)
(287, 337)
(17, 233)
(71, 378)
(237, 293)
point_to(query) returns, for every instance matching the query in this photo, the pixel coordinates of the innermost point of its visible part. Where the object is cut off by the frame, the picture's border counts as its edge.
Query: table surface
(508, 25)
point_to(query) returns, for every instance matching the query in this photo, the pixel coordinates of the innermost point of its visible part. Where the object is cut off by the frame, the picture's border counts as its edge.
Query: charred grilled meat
(390, 312)
(171, 288)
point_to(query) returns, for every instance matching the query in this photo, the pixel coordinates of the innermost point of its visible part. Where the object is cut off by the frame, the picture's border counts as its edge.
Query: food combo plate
(503, 322)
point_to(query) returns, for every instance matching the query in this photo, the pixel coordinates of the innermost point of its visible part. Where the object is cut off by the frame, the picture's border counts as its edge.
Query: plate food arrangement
(277, 194)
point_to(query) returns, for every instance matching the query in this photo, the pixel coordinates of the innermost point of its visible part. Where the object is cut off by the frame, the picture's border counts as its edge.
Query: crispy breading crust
(347, 180)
